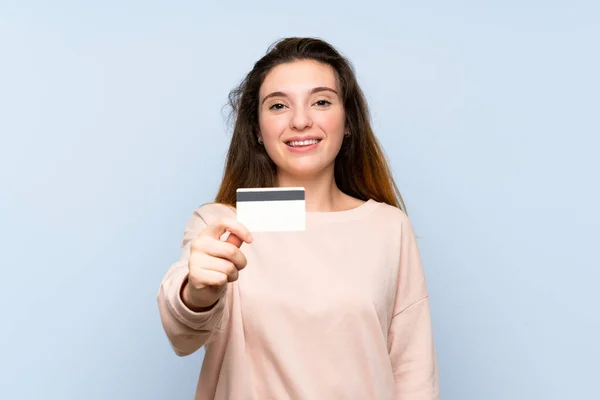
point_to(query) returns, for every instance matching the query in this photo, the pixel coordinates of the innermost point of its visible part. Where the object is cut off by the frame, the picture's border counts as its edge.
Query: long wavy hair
(361, 168)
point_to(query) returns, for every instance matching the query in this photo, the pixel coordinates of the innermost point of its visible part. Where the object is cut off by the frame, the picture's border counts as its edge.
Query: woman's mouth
(302, 146)
(303, 143)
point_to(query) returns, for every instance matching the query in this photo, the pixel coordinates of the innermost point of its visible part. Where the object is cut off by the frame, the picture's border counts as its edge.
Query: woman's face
(301, 118)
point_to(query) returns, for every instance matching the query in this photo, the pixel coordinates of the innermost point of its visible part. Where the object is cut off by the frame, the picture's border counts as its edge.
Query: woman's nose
(301, 119)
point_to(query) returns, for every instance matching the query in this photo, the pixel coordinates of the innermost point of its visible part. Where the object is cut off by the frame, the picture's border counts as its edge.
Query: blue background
(113, 131)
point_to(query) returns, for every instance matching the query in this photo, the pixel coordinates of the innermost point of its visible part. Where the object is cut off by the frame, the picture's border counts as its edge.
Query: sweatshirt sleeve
(187, 330)
(410, 338)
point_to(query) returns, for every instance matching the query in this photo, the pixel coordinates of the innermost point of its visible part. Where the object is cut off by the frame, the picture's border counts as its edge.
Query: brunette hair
(361, 168)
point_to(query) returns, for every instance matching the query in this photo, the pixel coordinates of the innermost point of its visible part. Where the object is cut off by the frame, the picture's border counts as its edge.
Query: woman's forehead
(299, 76)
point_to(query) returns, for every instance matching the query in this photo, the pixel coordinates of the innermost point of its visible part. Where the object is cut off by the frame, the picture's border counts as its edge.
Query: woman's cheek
(272, 127)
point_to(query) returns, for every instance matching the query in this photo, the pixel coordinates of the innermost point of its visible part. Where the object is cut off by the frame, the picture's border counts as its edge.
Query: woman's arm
(410, 337)
(187, 329)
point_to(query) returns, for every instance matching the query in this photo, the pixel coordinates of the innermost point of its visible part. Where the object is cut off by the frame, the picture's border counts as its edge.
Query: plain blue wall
(112, 132)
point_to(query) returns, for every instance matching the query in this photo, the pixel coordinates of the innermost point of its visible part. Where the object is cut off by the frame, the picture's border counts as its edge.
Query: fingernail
(250, 237)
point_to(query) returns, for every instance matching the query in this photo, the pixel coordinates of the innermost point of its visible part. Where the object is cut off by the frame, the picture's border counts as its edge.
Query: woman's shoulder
(390, 219)
(210, 212)
(390, 213)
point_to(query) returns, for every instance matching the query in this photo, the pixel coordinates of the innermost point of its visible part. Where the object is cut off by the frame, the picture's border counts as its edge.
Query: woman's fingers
(218, 228)
(200, 262)
(216, 248)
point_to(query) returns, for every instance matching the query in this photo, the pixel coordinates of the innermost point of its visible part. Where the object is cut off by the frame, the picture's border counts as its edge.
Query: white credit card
(272, 209)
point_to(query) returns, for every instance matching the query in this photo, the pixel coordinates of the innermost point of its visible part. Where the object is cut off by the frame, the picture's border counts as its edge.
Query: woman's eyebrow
(313, 91)
(322, 89)
(274, 94)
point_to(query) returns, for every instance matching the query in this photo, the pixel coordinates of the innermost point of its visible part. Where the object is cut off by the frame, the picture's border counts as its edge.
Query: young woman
(339, 311)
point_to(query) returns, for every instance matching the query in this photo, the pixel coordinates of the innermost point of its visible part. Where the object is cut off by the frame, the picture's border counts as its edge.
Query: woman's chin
(302, 171)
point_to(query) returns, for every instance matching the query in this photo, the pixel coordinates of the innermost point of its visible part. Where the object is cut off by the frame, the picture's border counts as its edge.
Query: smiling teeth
(303, 142)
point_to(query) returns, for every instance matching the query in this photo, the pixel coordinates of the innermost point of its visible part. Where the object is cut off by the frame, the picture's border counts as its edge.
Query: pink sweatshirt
(339, 311)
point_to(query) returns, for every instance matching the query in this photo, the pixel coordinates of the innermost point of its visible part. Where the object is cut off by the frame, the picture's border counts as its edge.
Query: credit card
(272, 209)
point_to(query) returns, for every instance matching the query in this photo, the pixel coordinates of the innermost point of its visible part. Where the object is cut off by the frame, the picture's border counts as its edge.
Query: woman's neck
(322, 193)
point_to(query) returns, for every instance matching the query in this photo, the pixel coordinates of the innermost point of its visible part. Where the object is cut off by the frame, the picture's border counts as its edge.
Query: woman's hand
(213, 263)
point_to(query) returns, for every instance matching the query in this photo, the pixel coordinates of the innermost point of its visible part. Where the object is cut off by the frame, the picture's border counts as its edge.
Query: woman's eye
(276, 106)
(323, 103)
